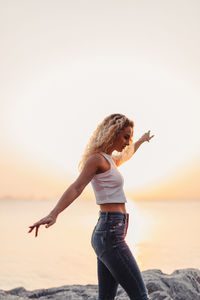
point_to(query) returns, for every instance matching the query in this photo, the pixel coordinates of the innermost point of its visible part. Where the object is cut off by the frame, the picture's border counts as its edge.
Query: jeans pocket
(117, 232)
(117, 226)
(99, 242)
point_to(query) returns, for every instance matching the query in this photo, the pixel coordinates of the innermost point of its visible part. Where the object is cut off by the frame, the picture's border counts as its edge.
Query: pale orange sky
(65, 67)
(22, 180)
(183, 184)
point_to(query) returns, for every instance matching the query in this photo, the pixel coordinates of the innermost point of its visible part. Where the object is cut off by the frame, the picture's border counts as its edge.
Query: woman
(115, 262)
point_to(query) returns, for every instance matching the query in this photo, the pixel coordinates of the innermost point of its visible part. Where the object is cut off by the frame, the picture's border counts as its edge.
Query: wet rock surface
(180, 285)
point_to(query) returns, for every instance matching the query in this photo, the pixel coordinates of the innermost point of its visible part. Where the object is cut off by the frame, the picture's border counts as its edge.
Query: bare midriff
(115, 207)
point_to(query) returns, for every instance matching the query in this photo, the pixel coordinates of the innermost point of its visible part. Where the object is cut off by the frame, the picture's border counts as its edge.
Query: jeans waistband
(113, 214)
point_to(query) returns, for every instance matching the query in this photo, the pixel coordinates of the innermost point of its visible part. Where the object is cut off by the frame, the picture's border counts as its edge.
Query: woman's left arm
(128, 152)
(144, 138)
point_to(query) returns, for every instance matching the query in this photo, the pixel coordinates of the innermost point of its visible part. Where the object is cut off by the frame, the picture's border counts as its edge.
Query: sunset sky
(65, 65)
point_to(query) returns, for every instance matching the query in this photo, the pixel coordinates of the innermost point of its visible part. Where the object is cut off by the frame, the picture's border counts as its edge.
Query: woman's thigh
(108, 241)
(107, 285)
(123, 267)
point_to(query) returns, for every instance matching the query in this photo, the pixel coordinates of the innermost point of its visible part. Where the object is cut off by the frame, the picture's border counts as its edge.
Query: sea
(162, 235)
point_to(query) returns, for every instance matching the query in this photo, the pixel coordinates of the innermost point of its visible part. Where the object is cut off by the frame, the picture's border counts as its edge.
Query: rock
(180, 285)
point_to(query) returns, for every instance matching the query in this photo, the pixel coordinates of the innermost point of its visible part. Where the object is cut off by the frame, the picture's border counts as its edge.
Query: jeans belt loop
(127, 220)
(124, 219)
(106, 218)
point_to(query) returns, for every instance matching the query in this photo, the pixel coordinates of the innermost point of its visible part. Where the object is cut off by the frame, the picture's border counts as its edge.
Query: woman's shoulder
(98, 159)
(101, 162)
(93, 163)
(97, 156)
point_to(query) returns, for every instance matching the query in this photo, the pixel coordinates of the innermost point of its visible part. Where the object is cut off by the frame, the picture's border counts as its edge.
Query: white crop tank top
(108, 186)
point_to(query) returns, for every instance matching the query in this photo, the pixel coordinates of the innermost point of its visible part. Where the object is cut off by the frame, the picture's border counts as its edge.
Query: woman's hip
(109, 232)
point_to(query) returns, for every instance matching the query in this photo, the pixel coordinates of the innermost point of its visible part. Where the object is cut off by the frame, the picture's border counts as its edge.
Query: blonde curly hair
(104, 135)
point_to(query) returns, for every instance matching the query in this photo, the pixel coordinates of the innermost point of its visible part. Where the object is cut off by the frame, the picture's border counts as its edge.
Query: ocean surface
(161, 235)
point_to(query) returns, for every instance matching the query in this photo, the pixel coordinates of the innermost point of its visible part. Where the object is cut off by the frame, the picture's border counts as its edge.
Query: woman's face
(123, 138)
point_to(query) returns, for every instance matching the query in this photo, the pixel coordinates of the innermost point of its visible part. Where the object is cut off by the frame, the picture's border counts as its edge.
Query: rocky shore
(180, 285)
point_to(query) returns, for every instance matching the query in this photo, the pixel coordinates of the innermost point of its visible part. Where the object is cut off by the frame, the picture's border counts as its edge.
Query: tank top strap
(108, 157)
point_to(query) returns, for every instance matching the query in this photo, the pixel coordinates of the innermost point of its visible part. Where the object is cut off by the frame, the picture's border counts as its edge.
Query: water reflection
(161, 235)
(140, 227)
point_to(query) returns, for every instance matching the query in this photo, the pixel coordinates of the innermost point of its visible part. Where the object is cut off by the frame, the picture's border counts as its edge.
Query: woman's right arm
(128, 152)
(76, 188)
(73, 191)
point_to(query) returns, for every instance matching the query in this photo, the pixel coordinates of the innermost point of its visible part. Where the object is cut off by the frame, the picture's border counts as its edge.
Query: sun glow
(140, 228)
(50, 123)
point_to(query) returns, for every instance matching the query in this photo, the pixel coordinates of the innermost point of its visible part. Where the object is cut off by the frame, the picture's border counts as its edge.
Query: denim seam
(129, 270)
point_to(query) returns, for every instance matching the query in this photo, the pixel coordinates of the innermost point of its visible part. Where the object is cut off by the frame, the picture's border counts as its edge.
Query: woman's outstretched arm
(128, 152)
(73, 191)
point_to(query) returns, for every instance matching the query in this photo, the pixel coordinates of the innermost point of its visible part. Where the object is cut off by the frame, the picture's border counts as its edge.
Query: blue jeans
(115, 261)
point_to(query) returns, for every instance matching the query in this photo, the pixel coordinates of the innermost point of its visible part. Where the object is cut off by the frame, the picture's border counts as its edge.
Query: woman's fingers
(151, 136)
(36, 226)
(47, 220)
(146, 136)
(51, 222)
(48, 225)
(36, 231)
(32, 227)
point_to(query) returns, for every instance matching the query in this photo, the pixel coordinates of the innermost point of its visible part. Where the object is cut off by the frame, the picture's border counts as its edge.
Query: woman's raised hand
(146, 137)
(48, 220)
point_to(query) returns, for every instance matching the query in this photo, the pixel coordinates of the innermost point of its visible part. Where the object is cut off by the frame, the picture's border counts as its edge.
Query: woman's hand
(49, 220)
(146, 137)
